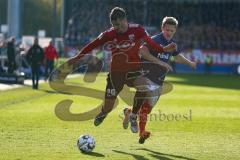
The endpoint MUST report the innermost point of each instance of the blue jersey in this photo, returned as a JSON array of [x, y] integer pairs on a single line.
[[158, 75]]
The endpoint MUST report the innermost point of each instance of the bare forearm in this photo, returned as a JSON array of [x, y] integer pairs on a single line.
[[144, 52], [149, 57], [181, 59]]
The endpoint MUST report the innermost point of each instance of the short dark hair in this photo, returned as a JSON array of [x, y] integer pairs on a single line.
[[117, 13]]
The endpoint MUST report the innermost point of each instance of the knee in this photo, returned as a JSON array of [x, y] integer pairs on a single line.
[[146, 108]]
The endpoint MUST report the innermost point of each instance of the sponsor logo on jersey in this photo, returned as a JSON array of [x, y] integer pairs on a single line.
[[163, 56], [121, 46]]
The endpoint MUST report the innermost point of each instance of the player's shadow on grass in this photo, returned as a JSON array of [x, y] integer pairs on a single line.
[[94, 154], [48, 91], [137, 157], [164, 156]]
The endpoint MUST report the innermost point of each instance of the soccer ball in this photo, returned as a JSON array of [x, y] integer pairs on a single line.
[[86, 143]]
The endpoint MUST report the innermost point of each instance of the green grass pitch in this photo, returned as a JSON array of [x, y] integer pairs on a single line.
[[29, 128]]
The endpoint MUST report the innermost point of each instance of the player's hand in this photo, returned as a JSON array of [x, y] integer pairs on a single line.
[[170, 48], [193, 65], [166, 66], [169, 68]]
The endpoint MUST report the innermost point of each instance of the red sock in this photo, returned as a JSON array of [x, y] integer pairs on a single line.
[[144, 111]]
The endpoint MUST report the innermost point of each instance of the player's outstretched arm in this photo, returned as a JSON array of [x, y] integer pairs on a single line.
[[144, 52], [181, 59], [86, 49]]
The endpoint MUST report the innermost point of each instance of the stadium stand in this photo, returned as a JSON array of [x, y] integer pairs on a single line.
[[203, 24]]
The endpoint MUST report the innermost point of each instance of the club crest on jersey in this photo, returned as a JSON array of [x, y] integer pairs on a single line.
[[131, 37]]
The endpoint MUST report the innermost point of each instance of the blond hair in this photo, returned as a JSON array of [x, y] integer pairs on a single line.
[[170, 21]]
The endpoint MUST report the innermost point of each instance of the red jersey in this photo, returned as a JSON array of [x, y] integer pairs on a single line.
[[127, 43], [50, 53]]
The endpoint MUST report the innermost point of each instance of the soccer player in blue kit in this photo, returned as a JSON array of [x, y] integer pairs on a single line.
[[168, 27]]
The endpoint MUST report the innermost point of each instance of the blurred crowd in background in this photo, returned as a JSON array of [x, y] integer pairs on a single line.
[[211, 25], [208, 32]]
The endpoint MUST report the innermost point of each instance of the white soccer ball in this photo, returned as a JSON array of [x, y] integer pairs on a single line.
[[86, 143]]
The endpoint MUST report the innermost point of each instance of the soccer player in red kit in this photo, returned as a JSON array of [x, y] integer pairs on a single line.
[[123, 40]]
